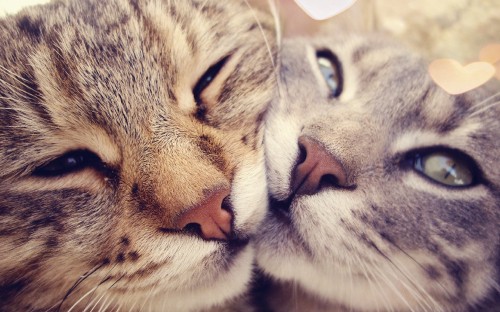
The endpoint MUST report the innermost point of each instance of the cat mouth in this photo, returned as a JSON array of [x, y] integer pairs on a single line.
[[236, 245], [281, 208]]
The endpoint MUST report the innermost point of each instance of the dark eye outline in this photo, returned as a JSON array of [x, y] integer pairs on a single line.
[[207, 78], [70, 162], [336, 70], [414, 161]]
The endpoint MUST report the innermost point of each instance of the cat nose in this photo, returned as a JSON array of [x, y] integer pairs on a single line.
[[211, 219], [316, 169]]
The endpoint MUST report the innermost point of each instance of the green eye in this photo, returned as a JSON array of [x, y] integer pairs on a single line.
[[445, 167], [330, 69]]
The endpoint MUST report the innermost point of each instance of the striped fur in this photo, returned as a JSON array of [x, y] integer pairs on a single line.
[[394, 241], [115, 78]]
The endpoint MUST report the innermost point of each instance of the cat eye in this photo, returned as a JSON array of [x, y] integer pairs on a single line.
[[68, 163], [331, 70], [207, 78], [447, 167]]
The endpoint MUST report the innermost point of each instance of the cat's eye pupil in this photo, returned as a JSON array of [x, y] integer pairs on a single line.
[[331, 78], [207, 78], [70, 162], [330, 69], [445, 168]]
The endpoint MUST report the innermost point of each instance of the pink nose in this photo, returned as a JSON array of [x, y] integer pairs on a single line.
[[211, 219], [316, 169]]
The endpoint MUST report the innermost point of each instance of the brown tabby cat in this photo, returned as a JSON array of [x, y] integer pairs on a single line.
[[385, 190], [132, 170]]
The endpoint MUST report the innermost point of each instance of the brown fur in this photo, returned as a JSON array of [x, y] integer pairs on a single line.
[[115, 78]]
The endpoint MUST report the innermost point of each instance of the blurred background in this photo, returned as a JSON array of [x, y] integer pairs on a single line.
[[455, 29], [12, 6]]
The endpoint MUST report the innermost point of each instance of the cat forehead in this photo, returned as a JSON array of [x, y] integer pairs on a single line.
[[384, 78], [129, 56]]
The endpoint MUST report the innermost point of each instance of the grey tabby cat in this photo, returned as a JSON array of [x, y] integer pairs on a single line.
[[132, 167], [385, 190]]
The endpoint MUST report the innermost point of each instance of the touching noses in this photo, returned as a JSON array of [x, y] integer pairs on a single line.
[[316, 169], [211, 219]]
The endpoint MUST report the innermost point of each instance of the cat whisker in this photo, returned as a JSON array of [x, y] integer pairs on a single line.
[[102, 282], [268, 46], [381, 277], [495, 285], [21, 80], [133, 306], [351, 285], [17, 110], [485, 104], [275, 12], [402, 281], [83, 297], [422, 298], [103, 295], [11, 74], [485, 101], [118, 306], [146, 300], [202, 6], [391, 285], [93, 304], [107, 302], [80, 280], [483, 109], [365, 273], [421, 266], [400, 269]]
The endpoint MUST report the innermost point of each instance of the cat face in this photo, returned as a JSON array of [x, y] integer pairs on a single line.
[[385, 190], [131, 152]]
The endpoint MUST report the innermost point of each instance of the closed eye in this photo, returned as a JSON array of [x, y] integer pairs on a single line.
[[70, 162], [206, 79], [331, 70]]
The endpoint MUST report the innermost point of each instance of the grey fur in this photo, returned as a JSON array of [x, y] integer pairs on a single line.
[[395, 240]]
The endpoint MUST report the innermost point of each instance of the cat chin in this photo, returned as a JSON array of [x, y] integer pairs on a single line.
[[330, 289], [197, 296]]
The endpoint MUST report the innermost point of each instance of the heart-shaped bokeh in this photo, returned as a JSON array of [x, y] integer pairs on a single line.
[[456, 79], [491, 54], [323, 9]]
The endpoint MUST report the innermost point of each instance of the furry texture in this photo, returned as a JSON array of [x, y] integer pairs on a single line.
[[394, 240], [114, 80]]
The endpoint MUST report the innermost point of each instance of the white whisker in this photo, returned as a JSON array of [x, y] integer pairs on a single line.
[[91, 305], [275, 12], [485, 104], [485, 101], [105, 305], [12, 74], [83, 297], [376, 270], [268, 46], [477, 112], [146, 299], [132, 307], [351, 284], [373, 282], [396, 291], [411, 278]]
